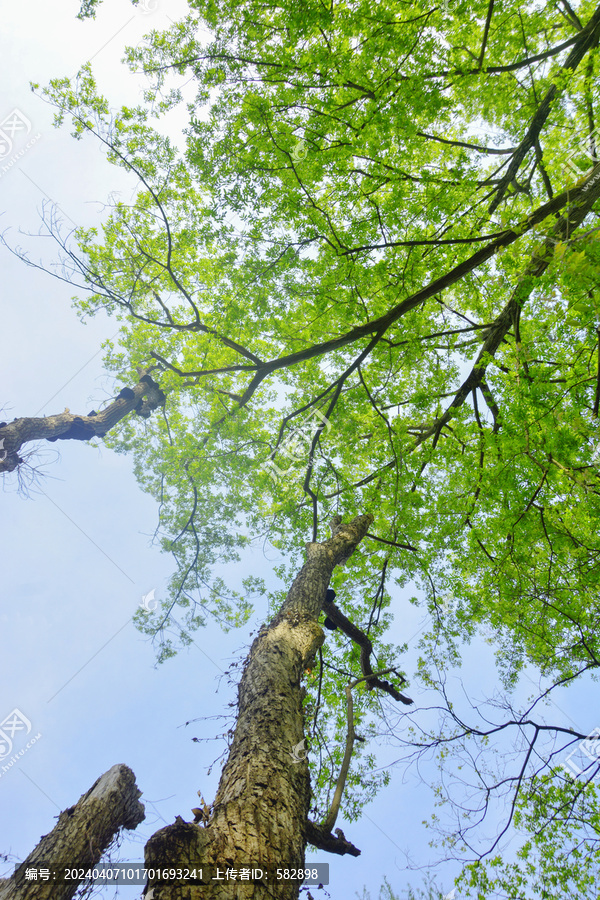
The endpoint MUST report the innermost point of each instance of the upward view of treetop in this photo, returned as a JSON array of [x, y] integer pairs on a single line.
[[374, 217], [366, 277]]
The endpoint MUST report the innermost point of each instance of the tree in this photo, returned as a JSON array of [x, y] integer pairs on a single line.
[[337, 240]]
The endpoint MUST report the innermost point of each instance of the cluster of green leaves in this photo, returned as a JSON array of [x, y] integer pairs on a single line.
[[560, 859], [314, 246]]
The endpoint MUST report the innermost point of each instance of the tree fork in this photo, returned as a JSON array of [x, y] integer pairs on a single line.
[[260, 813]]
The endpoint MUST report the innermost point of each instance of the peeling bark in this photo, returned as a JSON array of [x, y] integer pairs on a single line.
[[80, 837], [260, 813]]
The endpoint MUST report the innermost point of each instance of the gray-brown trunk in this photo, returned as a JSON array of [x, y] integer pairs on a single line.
[[260, 813], [80, 837], [261, 807]]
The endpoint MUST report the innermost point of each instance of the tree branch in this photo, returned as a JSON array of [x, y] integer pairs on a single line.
[[586, 40], [142, 398], [338, 618]]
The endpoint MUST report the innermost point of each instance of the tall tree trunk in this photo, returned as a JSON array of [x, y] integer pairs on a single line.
[[260, 812], [80, 837]]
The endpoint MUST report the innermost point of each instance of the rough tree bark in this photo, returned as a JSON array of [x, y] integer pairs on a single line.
[[142, 398], [80, 837], [260, 812]]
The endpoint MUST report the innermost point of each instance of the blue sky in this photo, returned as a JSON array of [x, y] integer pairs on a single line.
[[76, 554]]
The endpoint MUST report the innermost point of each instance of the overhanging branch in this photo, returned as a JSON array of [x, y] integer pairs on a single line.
[[143, 398]]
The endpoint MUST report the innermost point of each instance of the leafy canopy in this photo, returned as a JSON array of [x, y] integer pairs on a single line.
[[371, 259]]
